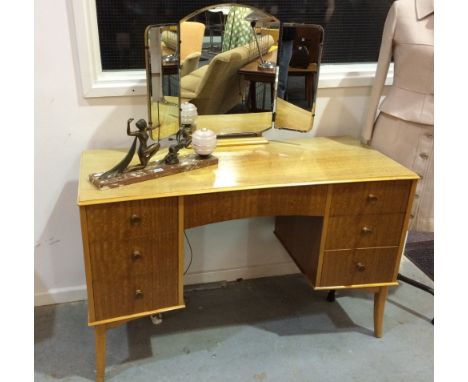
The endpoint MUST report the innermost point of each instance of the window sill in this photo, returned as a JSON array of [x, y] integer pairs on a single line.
[[350, 75], [117, 84], [133, 82]]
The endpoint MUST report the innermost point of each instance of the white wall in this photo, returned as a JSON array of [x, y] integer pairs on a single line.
[[66, 124]]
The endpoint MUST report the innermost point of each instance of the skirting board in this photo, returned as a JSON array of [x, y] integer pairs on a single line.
[[78, 293]]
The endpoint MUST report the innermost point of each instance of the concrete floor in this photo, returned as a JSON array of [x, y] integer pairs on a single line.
[[270, 329]]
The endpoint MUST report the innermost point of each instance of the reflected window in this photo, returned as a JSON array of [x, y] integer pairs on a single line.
[[353, 28]]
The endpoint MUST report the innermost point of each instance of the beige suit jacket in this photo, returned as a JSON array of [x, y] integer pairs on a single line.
[[408, 36]]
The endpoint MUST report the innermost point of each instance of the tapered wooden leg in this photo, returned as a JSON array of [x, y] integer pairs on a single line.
[[100, 334], [379, 306]]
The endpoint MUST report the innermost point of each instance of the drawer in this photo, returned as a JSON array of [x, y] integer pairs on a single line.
[[358, 266], [134, 257], [122, 297], [119, 221], [362, 231], [370, 198], [138, 294]]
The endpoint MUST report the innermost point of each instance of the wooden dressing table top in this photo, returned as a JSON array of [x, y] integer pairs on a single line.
[[276, 164]]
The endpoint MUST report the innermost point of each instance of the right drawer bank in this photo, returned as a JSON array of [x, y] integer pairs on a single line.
[[364, 232]]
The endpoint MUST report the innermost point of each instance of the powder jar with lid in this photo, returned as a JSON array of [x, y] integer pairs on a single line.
[[203, 141]]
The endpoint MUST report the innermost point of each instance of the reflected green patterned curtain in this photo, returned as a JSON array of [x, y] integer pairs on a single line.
[[237, 31]]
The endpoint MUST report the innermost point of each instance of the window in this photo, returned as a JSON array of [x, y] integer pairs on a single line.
[[352, 28], [115, 43]]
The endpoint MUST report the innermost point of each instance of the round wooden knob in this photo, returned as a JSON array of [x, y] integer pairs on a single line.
[[360, 267], [372, 198], [135, 219], [138, 293], [366, 229], [136, 255]]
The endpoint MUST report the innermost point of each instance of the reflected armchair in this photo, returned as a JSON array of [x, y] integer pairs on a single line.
[[191, 41]]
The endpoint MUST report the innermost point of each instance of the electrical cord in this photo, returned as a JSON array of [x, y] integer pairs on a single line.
[[191, 253]]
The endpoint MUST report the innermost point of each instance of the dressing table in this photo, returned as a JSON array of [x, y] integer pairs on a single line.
[[342, 211]]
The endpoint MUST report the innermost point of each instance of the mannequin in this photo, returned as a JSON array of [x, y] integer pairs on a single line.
[[404, 128]]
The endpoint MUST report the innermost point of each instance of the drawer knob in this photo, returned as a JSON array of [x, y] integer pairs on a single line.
[[136, 255], [372, 198], [135, 219], [360, 267], [366, 230], [138, 293]]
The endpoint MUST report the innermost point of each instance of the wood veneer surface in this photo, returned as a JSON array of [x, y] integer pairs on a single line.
[[370, 198], [347, 232], [300, 236], [309, 161], [114, 221], [210, 208], [134, 265], [340, 268]]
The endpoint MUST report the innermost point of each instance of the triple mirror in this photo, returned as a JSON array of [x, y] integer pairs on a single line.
[[243, 70]]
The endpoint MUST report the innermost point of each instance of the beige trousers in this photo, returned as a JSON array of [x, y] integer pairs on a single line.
[[412, 145]]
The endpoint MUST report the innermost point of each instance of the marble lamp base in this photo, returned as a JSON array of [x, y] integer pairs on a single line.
[[154, 170]]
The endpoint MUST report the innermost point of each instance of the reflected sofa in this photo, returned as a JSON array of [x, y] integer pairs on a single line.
[[218, 87]]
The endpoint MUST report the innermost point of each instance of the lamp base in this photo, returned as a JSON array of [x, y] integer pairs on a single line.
[[267, 66], [154, 170]]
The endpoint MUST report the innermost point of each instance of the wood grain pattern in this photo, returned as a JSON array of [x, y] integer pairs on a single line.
[[115, 221], [206, 209], [127, 256], [300, 236], [326, 219], [180, 249], [318, 189], [370, 198], [87, 264], [119, 297], [404, 231], [364, 231], [116, 259], [358, 266], [379, 307], [301, 162], [100, 338]]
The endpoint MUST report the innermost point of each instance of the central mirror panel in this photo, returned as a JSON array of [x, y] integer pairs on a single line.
[[243, 71], [228, 68]]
